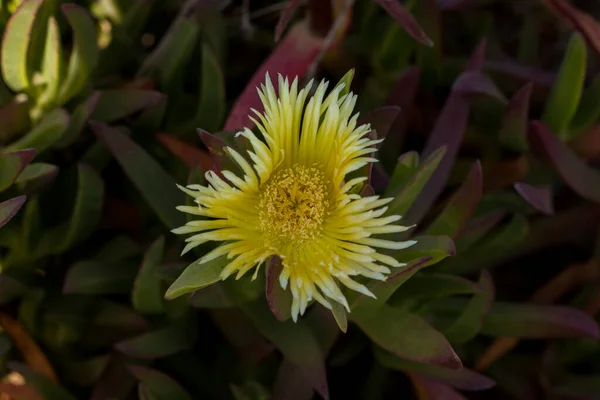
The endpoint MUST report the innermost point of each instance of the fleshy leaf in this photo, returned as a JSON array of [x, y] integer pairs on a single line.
[[405, 19], [79, 118], [9, 208], [196, 276], [52, 64], [211, 106], [46, 133], [158, 384], [339, 314], [155, 184], [411, 190], [448, 132], [433, 285], [405, 168], [115, 104], [15, 45], [477, 83], [147, 293], [12, 164], [295, 340], [157, 344], [513, 131], [290, 384], [461, 206], [464, 379], [84, 56], [279, 300], [433, 390], [580, 177], [93, 277], [566, 92], [381, 120], [470, 321], [35, 176], [539, 198], [579, 20], [292, 57], [535, 321], [588, 111], [406, 335]]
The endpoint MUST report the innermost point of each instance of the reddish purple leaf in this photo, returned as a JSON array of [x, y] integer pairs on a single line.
[[478, 227], [535, 321], [449, 130], [190, 155], [477, 83], [461, 206], [285, 17], [292, 57], [406, 20], [539, 198], [405, 88], [116, 382], [578, 20], [513, 132], [291, 384], [381, 120], [279, 300], [433, 390], [524, 72], [406, 335], [580, 177], [9, 208], [464, 379]]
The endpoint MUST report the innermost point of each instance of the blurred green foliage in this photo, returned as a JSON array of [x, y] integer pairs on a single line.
[[490, 113]]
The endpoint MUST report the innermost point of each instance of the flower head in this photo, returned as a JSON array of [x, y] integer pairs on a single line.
[[295, 200]]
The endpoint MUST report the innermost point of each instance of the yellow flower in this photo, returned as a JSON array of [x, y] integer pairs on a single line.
[[294, 201]]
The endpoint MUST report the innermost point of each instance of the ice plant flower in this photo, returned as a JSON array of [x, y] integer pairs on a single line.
[[294, 199]]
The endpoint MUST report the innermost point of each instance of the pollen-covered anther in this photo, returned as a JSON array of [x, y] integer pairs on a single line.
[[293, 205]]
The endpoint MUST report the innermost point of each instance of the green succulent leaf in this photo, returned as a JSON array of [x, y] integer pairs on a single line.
[[566, 92], [46, 133], [12, 164], [147, 293], [9, 208], [115, 104], [85, 53], [52, 64], [95, 277], [211, 107], [157, 343], [159, 385], [197, 276]]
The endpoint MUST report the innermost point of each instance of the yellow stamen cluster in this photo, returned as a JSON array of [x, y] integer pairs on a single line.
[[293, 206]]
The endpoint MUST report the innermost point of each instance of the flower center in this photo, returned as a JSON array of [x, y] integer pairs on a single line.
[[293, 205]]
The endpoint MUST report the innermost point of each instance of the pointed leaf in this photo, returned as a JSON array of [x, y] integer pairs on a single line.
[[461, 206], [405, 198], [470, 321], [157, 344], [12, 164], [279, 300], [588, 111], [404, 170], [381, 120], [290, 384], [188, 154], [147, 293], [580, 177], [405, 19], [566, 92], [158, 384], [78, 120], [35, 176], [295, 340], [407, 336], [46, 133], [433, 285], [15, 45], [9, 208], [115, 104], [93, 277], [339, 314], [477, 83], [513, 132], [52, 64], [433, 390], [539, 198], [448, 131], [211, 107], [535, 321], [464, 379], [197, 276], [292, 57], [84, 56], [155, 184]]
